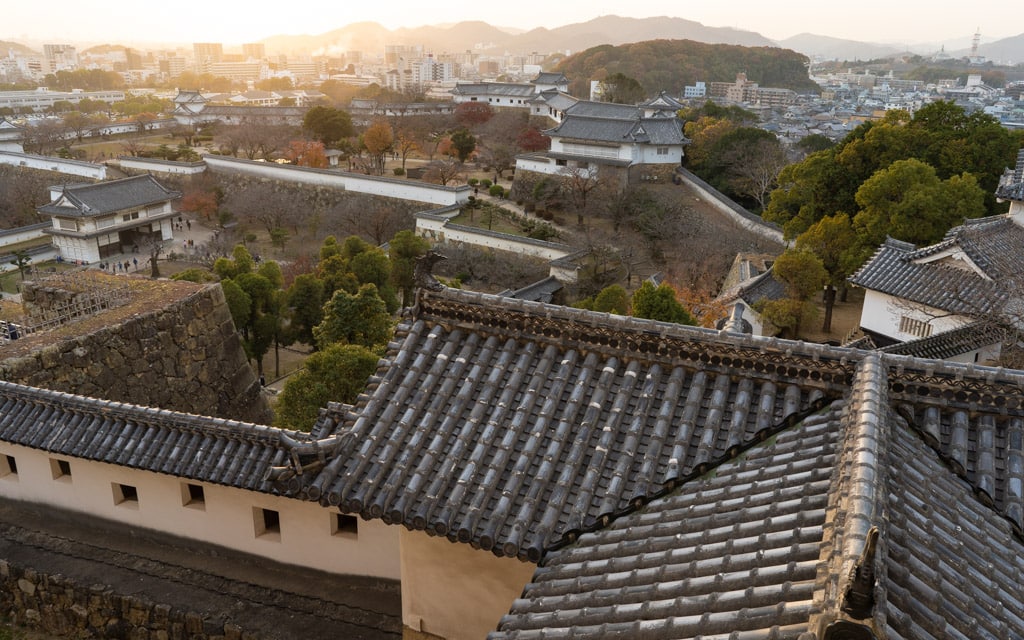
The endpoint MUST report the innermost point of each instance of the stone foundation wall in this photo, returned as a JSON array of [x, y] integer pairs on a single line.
[[56, 605], [179, 352]]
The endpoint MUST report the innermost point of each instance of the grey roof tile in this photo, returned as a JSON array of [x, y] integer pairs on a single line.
[[517, 444], [196, 447], [892, 271], [111, 196], [734, 552], [950, 344], [952, 570]]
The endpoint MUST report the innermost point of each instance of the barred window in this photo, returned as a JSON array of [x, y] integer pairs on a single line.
[[915, 327]]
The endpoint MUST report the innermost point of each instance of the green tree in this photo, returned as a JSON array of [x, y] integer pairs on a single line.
[[908, 202], [239, 303], [338, 373], [622, 89], [361, 319], [305, 298], [240, 262], [612, 299], [834, 241], [940, 134], [463, 143], [328, 125], [21, 262], [404, 248], [803, 275], [660, 303]]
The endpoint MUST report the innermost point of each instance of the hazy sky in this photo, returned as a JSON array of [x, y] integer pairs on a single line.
[[237, 21]]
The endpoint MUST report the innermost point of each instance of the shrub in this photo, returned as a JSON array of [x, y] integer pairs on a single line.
[[473, 182], [485, 183], [399, 171], [497, 191]]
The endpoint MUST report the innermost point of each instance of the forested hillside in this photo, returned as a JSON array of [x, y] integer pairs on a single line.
[[672, 64]]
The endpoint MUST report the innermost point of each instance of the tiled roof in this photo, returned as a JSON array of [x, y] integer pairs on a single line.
[[111, 196], [736, 551], [550, 77], [950, 344], [607, 110], [952, 570], [517, 444], [1011, 185], [498, 89], [540, 291], [892, 271], [848, 522], [647, 130], [195, 447]]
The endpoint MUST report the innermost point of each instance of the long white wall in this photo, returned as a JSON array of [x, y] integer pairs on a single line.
[[156, 165], [753, 223], [225, 518], [372, 185], [439, 229], [50, 163]]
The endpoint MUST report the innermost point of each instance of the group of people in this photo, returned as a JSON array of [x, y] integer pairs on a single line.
[[120, 267]]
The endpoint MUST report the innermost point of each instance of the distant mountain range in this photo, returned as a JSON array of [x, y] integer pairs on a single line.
[[481, 37], [614, 30]]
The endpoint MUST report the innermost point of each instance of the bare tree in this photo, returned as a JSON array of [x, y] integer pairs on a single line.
[[754, 169], [444, 171], [263, 203], [579, 182], [45, 137]]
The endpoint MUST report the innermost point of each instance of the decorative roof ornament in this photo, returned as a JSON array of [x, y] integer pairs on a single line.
[[424, 278]]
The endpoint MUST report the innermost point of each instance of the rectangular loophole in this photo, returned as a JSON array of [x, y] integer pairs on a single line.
[[267, 523], [344, 525], [193, 495], [125, 495], [60, 469], [8, 466]]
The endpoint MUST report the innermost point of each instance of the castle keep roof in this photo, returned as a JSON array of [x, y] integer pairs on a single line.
[[674, 482]]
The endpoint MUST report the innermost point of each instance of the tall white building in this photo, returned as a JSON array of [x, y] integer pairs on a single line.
[[60, 57]]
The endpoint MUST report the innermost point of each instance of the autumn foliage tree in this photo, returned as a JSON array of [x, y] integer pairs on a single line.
[[471, 114], [378, 139], [200, 202], [306, 153], [531, 139]]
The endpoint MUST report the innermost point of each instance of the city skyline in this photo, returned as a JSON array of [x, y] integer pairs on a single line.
[[233, 22]]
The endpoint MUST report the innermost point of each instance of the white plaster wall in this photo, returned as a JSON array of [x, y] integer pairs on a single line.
[[389, 187], [537, 166], [48, 163], [226, 519], [649, 154], [21, 234], [454, 591], [442, 232], [881, 313], [73, 249], [163, 166]]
